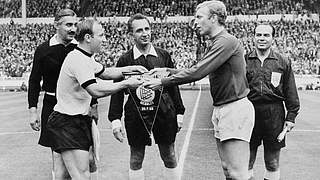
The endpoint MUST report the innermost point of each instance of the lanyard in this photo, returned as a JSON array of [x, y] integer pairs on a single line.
[[155, 115]]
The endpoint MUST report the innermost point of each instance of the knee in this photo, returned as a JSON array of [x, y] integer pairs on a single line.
[[170, 161], [234, 173], [61, 173], [85, 174], [272, 165], [136, 162], [92, 166], [225, 168], [238, 175]]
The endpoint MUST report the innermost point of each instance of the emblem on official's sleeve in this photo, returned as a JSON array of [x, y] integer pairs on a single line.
[[275, 78]]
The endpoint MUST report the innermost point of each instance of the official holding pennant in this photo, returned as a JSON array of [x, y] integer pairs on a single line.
[[148, 113]]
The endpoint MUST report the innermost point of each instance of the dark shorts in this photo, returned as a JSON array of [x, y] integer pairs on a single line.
[[69, 132], [47, 108], [164, 129], [269, 121]]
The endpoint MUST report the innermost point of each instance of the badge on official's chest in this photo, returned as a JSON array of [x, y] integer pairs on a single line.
[[275, 78]]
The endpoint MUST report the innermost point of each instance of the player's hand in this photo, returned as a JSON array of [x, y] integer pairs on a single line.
[[179, 121], [157, 71], [119, 134], [289, 125], [153, 83], [34, 119], [133, 82], [93, 112], [136, 68]]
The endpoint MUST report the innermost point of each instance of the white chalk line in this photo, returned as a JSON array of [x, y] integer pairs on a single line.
[[186, 142]]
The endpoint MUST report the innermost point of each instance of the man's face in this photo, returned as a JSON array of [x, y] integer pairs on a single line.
[[141, 32], [98, 37], [66, 27], [204, 22], [263, 37]]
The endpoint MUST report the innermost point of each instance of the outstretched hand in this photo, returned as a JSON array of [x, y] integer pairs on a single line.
[[133, 82], [157, 71], [153, 83], [135, 68]]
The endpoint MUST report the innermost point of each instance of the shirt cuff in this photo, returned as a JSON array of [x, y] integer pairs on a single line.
[[116, 124], [180, 118]]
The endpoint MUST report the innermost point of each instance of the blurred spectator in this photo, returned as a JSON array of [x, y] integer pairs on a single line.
[[298, 40], [10, 9], [162, 8]]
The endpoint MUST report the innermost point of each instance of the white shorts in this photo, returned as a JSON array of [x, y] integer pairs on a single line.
[[234, 120]]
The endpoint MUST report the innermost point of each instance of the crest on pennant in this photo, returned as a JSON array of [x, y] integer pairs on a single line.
[[146, 96]]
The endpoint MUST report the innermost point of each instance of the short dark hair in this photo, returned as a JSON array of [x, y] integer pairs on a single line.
[[273, 33], [137, 16], [64, 12], [84, 27]]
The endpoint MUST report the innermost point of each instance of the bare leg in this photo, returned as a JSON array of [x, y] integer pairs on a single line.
[[234, 155], [77, 164]]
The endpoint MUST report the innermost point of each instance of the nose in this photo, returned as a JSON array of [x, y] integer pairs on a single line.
[[73, 28], [104, 39]]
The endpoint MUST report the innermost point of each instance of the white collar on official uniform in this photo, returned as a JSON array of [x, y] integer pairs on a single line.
[[53, 41], [137, 53]]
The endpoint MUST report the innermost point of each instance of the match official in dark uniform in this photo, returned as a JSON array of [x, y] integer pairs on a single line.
[[271, 82], [47, 62], [144, 118]]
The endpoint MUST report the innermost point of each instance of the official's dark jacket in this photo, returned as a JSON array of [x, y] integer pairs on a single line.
[[170, 103], [272, 82]]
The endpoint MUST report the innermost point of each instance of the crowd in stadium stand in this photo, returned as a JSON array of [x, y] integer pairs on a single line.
[[299, 41], [157, 9]]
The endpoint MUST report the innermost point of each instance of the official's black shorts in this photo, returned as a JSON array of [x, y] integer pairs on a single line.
[[49, 102], [69, 132], [269, 121]]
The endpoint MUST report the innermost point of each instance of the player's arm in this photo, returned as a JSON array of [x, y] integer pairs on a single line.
[[117, 72], [216, 56], [102, 88]]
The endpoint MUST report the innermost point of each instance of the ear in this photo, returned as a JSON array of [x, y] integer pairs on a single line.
[[56, 24], [213, 18], [87, 37]]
